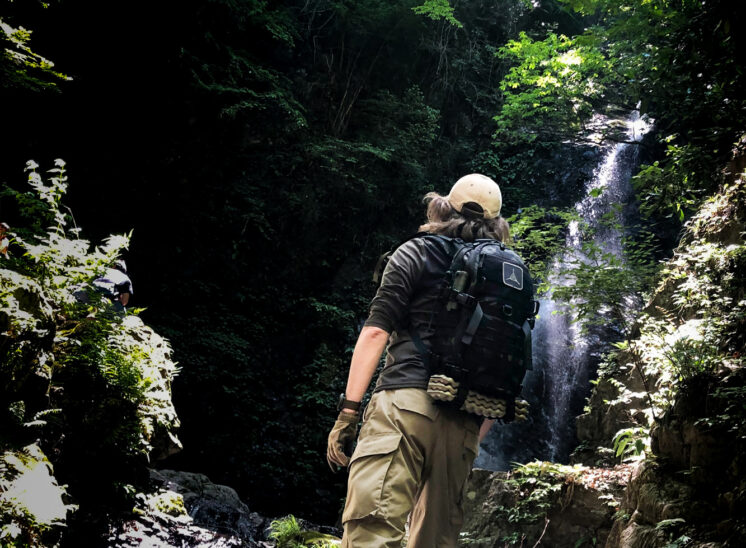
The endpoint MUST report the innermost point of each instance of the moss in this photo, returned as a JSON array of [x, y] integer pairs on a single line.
[[169, 503]]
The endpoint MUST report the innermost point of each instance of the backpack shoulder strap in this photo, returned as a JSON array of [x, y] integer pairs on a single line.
[[473, 266]]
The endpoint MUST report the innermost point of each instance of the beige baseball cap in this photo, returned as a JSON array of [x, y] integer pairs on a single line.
[[476, 190]]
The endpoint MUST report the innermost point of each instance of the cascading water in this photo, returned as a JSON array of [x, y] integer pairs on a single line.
[[565, 357]]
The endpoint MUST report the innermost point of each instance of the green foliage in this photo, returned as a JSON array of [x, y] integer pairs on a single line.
[[302, 215], [631, 442], [600, 280], [667, 523], [550, 91], [32, 511], [679, 60], [540, 485], [287, 533], [673, 528], [20, 67], [674, 191], [730, 411], [538, 235], [689, 336], [690, 358], [679, 542], [56, 265], [227, 74], [437, 10]]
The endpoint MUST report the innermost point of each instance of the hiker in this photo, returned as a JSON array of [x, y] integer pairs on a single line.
[[116, 285], [414, 456]]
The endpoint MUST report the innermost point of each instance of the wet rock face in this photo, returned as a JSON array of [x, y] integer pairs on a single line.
[[568, 170], [158, 418], [685, 442], [698, 479]]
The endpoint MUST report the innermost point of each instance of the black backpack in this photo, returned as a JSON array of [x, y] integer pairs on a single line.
[[482, 322]]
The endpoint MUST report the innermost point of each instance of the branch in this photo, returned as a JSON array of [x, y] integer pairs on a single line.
[[546, 524]]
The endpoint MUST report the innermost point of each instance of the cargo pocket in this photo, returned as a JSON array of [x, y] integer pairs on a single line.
[[369, 467], [417, 401]]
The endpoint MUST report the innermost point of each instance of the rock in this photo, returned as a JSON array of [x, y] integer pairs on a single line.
[[32, 502], [187, 510], [157, 416], [561, 505], [634, 535], [610, 411], [211, 505]]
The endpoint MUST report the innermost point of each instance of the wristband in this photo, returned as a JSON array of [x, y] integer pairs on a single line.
[[344, 403]]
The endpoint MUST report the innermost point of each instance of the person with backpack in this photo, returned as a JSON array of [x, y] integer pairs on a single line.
[[455, 308], [114, 285]]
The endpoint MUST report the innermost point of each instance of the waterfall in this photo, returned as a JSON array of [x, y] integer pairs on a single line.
[[565, 357]]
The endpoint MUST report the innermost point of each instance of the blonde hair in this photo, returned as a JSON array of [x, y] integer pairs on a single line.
[[443, 219]]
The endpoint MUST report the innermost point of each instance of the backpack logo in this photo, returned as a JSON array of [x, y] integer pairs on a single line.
[[513, 276]]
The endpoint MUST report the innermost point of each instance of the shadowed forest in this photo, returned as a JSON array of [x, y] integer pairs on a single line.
[[260, 156]]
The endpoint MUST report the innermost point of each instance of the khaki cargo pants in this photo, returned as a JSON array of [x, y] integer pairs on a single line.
[[412, 456]]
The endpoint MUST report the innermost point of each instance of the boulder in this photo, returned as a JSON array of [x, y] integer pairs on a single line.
[[32, 504], [211, 505], [188, 510]]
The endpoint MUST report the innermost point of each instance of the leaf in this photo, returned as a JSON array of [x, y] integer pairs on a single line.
[[436, 10]]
